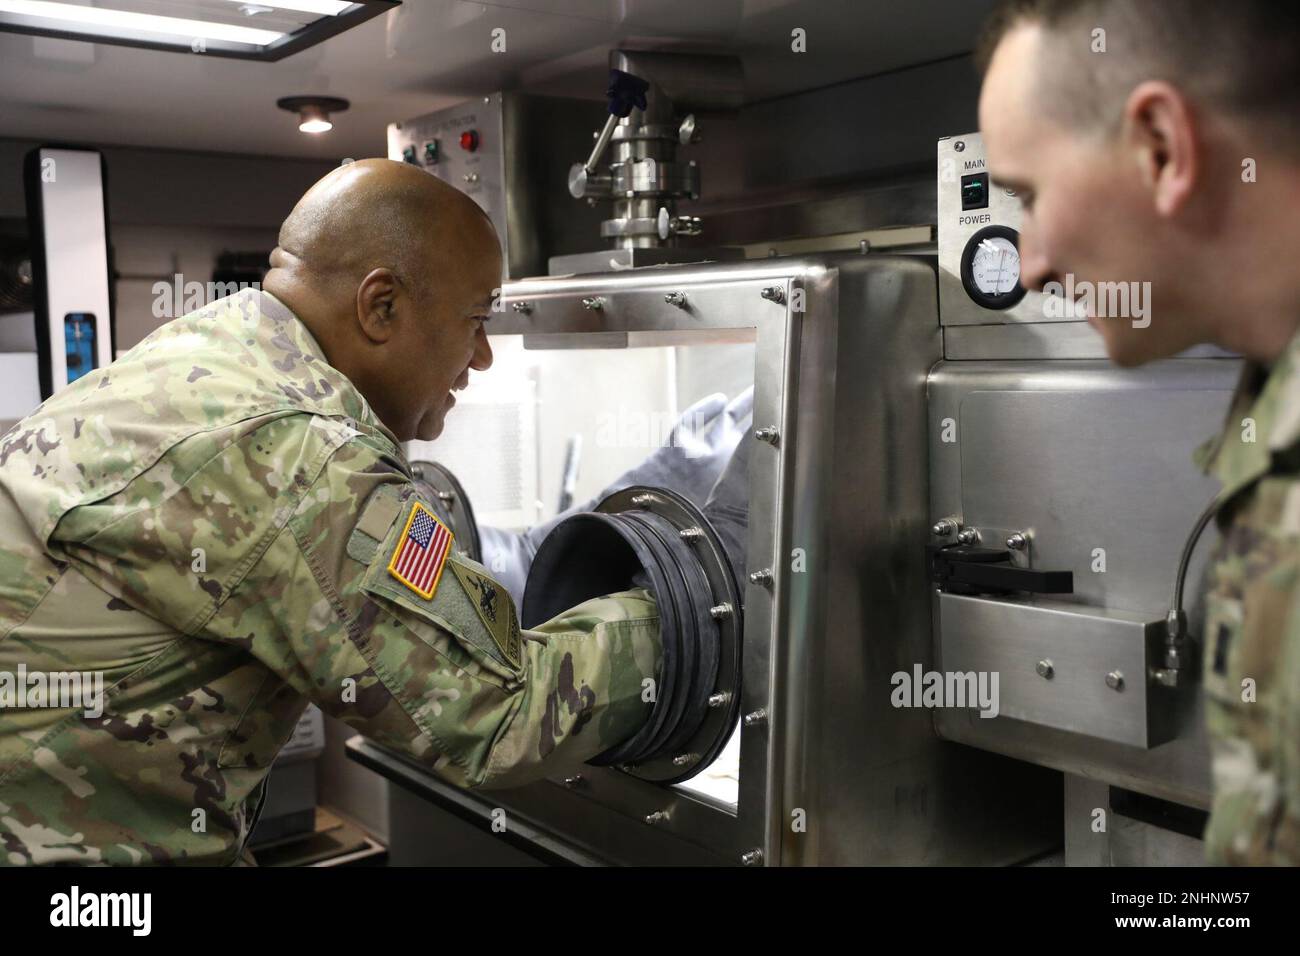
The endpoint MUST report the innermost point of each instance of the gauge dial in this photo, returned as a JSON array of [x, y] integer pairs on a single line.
[[990, 267]]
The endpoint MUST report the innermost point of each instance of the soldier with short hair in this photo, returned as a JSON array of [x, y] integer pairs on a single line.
[[224, 524], [1159, 141]]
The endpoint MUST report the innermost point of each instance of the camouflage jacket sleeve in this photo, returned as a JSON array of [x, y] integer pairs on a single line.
[[440, 678], [294, 569], [1252, 679], [1252, 622]]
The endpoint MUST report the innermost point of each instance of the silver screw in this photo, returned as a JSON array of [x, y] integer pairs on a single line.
[[763, 577], [643, 501], [681, 760], [945, 527], [1115, 680], [864, 246], [768, 433], [968, 536], [718, 700], [522, 306], [774, 293], [755, 718], [471, 177], [720, 612], [1017, 541], [752, 857], [676, 298], [1045, 669], [573, 782], [447, 496], [594, 303], [659, 816], [690, 534], [960, 146]]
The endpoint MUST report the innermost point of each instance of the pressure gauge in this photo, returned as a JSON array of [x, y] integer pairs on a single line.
[[990, 267]]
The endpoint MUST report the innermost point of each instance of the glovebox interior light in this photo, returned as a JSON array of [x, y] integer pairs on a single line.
[[262, 30]]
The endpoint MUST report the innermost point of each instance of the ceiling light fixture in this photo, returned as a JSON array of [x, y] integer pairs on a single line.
[[325, 8], [313, 111], [214, 27]]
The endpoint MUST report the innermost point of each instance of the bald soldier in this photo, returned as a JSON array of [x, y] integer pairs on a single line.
[[223, 525], [1160, 143]]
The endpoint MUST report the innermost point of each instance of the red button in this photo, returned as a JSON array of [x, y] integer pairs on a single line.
[[469, 140]]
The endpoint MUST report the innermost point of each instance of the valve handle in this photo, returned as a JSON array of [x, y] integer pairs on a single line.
[[625, 91]]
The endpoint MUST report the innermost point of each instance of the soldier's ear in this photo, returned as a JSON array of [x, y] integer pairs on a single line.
[[376, 297]]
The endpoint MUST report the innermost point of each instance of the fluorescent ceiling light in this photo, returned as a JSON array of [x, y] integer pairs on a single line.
[[325, 8], [266, 31], [147, 22]]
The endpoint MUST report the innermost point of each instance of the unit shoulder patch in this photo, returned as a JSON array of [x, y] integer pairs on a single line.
[[495, 608], [421, 551]]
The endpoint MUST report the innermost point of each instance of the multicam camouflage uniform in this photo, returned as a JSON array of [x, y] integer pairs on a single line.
[[1252, 632], [209, 522]]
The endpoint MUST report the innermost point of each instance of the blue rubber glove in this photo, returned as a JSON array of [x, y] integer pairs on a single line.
[[690, 463]]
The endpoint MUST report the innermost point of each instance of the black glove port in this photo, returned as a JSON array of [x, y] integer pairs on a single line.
[[657, 535]]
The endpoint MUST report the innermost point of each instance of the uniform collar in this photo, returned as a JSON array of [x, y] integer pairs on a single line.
[[1263, 419], [303, 339]]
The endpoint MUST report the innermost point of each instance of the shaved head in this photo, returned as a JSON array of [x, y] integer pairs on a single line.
[[394, 272], [375, 212]]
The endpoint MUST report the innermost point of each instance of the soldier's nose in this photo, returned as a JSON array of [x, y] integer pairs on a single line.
[[482, 360]]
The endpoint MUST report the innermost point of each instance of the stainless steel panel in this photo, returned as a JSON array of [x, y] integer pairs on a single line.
[[513, 174], [1012, 638], [1086, 469], [1098, 835], [818, 211], [831, 773], [964, 156], [1134, 843], [1087, 456], [1055, 340], [615, 260]]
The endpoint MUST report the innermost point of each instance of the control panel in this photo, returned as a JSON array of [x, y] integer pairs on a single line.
[[463, 145], [979, 235], [497, 150]]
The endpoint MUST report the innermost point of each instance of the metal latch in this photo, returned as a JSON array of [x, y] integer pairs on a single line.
[[969, 569]]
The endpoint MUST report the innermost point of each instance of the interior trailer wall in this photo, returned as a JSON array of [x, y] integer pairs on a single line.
[[171, 211]]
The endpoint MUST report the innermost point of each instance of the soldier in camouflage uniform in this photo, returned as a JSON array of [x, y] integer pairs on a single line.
[[1134, 131], [212, 522], [1252, 627]]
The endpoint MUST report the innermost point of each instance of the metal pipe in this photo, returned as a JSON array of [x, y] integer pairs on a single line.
[[601, 142]]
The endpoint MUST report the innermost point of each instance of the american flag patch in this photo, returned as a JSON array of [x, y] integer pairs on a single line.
[[421, 552]]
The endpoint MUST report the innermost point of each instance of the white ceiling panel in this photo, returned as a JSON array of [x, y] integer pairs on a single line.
[[430, 53]]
